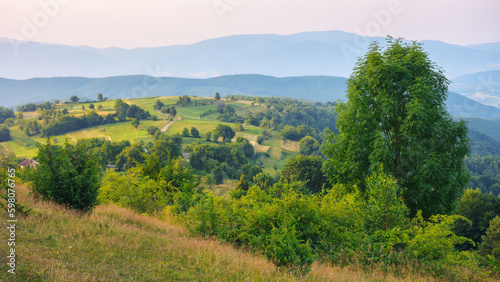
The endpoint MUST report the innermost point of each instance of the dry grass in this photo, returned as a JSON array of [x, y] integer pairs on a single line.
[[290, 145], [115, 244]]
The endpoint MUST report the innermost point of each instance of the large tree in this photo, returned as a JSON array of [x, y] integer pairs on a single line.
[[225, 131], [395, 116]]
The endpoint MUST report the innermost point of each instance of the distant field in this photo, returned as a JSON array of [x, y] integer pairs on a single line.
[[274, 153]]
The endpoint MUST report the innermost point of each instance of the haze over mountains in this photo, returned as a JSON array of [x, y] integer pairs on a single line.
[[309, 65], [331, 53]]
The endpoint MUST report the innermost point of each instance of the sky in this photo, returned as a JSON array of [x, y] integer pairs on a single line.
[[152, 23]]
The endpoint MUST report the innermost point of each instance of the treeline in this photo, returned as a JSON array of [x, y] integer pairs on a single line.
[[31, 107], [67, 123], [71, 123]]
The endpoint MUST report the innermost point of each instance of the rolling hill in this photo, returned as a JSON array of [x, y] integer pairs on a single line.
[[315, 88]]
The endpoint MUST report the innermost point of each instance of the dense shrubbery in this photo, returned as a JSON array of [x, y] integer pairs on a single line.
[[485, 173], [67, 175]]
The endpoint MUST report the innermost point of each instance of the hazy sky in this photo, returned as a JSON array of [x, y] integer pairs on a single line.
[[145, 23]]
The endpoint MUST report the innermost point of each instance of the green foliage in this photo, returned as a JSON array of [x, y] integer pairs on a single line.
[[74, 99], [263, 180], [32, 128], [91, 106], [185, 132], [67, 175], [395, 116], [217, 96], [306, 169], [4, 134], [480, 209], [195, 133], [433, 239], [158, 105], [218, 175], [184, 100], [309, 146], [224, 131], [133, 190], [100, 97], [490, 247], [285, 249], [383, 208], [6, 113]]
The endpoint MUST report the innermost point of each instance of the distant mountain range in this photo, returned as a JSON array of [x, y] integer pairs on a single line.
[[482, 86], [329, 53], [315, 88]]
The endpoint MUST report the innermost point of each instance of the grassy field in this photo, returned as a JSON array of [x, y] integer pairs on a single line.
[[274, 152], [116, 244]]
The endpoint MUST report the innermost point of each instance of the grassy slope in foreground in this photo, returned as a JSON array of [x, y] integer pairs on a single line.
[[117, 244]]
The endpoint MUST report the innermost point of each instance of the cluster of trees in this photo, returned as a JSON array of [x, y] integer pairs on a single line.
[[293, 112], [6, 113], [159, 106], [124, 111], [184, 100], [31, 107], [70, 123], [220, 160], [485, 173], [31, 127]]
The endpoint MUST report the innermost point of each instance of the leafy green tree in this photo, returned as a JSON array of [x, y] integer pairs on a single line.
[[395, 116], [217, 96], [19, 116], [99, 97], [195, 133], [91, 106], [308, 146], [4, 134], [83, 108], [224, 131], [242, 184], [67, 175], [306, 169], [99, 106], [185, 132], [208, 136], [158, 105], [65, 111], [74, 99], [218, 174]]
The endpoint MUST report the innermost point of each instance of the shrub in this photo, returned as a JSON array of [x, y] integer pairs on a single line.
[[67, 175]]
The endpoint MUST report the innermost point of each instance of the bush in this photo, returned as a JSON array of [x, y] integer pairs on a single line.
[[67, 175]]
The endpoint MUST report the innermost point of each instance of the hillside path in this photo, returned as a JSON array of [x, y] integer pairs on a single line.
[[165, 128]]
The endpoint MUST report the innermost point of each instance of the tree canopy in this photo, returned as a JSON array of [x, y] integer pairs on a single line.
[[395, 116]]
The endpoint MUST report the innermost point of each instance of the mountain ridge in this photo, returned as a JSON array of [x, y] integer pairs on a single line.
[[330, 53]]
